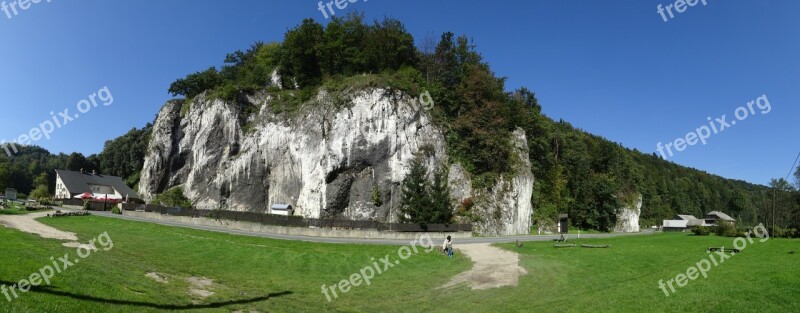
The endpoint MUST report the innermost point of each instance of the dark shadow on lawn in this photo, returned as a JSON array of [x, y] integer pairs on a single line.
[[54, 291]]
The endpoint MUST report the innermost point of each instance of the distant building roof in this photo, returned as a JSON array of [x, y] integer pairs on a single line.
[[720, 215], [279, 206], [77, 182], [696, 222], [685, 217]]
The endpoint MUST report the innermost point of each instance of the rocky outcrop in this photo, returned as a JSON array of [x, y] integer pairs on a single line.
[[628, 217], [326, 158], [506, 208]]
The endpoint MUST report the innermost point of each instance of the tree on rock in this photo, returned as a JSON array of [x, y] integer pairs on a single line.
[[422, 202]]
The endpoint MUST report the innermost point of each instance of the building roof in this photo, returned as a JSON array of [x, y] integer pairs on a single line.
[[279, 206], [696, 222], [77, 182], [686, 217], [720, 215]]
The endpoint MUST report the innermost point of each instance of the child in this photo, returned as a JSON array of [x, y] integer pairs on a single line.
[[447, 246]]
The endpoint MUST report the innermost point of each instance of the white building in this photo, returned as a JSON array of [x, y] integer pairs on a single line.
[[70, 184], [282, 209]]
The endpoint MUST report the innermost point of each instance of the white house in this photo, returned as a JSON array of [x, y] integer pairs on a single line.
[[682, 222], [70, 184]]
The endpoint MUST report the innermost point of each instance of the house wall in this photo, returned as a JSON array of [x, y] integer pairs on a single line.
[[281, 212], [675, 223], [61, 190]]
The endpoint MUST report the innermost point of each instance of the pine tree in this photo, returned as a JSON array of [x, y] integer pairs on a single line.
[[416, 202], [440, 198]]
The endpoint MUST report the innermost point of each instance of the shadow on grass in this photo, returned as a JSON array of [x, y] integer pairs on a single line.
[[214, 305]]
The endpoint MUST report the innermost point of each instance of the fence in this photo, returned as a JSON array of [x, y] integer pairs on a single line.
[[78, 202], [93, 206], [296, 221]]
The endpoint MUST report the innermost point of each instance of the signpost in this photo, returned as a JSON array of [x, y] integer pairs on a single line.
[[11, 194], [563, 226]]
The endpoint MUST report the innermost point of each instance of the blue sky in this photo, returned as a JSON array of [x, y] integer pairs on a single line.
[[613, 68]]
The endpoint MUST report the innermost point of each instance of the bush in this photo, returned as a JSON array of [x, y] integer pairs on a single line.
[[376, 196], [780, 232], [726, 230], [173, 198], [116, 210], [701, 231]]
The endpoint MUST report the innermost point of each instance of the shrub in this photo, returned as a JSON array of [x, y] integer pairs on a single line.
[[116, 210], [173, 198], [780, 232], [701, 231], [376, 196], [466, 204], [726, 230]]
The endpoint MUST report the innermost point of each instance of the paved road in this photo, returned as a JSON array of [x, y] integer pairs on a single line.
[[354, 240]]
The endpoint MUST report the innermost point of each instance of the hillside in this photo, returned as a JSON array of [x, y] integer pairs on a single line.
[[314, 119]]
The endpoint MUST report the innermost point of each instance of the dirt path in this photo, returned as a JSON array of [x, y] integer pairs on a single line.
[[493, 268], [27, 223]]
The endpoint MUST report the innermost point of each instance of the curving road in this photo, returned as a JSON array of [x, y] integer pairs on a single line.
[[355, 240]]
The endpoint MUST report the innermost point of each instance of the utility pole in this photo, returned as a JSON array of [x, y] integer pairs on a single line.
[[774, 194]]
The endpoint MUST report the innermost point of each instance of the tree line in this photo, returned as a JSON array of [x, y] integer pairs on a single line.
[[32, 171]]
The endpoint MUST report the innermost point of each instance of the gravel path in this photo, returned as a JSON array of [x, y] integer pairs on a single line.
[[28, 223], [493, 268]]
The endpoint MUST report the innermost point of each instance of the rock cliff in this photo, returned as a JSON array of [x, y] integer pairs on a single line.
[[326, 159]]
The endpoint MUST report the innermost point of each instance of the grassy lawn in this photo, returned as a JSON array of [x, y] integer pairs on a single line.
[[624, 278], [247, 270]]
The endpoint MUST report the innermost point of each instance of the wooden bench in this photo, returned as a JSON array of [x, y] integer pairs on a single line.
[[714, 249]]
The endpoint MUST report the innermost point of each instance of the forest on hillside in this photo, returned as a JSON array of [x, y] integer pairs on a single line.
[[34, 168], [584, 175]]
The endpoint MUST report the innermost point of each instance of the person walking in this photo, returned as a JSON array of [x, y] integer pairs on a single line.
[[447, 246]]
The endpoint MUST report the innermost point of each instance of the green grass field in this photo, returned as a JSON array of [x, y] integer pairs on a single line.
[[286, 276]]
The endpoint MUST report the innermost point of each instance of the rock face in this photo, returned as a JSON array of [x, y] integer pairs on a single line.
[[506, 209], [628, 217], [326, 159]]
